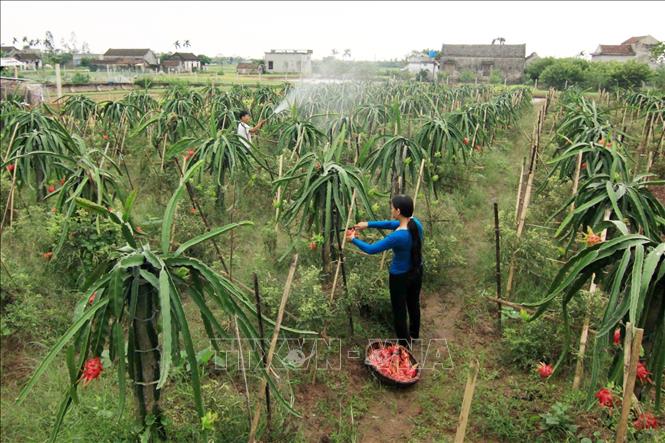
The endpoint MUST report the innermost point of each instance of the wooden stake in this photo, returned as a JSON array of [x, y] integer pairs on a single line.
[[576, 179], [339, 260], [271, 351], [242, 368], [627, 343], [466, 403], [498, 262], [420, 177], [630, 385], [579, 369], [279, 189], [522, 218], [262, 343], [519, 190]]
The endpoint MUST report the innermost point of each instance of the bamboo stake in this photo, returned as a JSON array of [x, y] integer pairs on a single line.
[[579, 368], [420, 176], [339, 261], [522, 218], [576, 180], [262, 343], [497, 237], [242, 368], [630, 385], [466, 402], [271, 350], [279, 189], [519, 189], [627, 343]]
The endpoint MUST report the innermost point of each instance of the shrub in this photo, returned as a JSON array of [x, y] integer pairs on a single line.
[[564, 73], [80, 78], [535, 68], [658, 77], [467, 77], [526, 343], [496, 77], [630, 74], [143, 82]]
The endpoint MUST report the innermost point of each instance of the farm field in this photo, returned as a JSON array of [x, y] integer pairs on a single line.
[[137, 226]]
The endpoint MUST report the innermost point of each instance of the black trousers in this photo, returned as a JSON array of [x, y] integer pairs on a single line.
[[405, 297]]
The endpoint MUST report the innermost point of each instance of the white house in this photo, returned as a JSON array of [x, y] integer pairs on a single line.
[[289, 61], [635, 48], [182, 62], [415, 64]]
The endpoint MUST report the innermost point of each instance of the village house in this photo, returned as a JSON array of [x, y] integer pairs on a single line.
[[418, 63], [531, 58], [635, 48], [181, 62], [289, 61], [140, 59], [248, 68], [481, 60], [23, 59]]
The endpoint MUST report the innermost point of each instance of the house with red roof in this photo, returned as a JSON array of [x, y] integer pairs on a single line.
[[635, 48]]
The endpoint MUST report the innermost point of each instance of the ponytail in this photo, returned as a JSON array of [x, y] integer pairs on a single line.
[[416, 246]]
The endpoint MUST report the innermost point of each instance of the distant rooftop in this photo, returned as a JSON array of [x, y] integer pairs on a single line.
[[290, 51]]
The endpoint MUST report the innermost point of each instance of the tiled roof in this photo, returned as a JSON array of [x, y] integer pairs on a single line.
[[185, 56], [126, 52], [634, 40], [615, 50]]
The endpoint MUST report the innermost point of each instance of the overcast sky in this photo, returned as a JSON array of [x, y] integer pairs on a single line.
[[372, 30]]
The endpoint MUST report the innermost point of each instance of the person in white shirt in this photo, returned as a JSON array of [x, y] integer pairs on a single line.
[[245, 130]]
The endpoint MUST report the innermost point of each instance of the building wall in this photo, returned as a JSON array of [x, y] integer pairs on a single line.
[[612, 58], [512, 69], [288, 63], [417, 67]]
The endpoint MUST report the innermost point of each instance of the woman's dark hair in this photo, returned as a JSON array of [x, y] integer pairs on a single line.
[[242, 114], [405, 205]]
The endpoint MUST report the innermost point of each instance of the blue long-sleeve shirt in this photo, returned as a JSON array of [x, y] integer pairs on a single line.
[[399, 241]]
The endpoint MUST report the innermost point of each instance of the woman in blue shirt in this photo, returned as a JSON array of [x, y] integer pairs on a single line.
[[406, 269]]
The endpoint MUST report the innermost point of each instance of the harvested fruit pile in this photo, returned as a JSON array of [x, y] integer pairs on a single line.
[[394, 362]]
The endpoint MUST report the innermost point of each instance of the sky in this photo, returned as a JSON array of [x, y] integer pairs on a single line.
[[371, 30]]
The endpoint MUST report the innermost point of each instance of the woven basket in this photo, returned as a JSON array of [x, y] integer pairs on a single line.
[[385, 379]]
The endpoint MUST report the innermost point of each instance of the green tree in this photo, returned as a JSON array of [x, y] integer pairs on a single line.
[[536, 68], [631, 74], [599, 75], [563, 73], [658, 77]]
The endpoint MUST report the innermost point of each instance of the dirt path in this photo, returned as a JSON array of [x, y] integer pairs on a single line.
[[389, 417], [392, 412]]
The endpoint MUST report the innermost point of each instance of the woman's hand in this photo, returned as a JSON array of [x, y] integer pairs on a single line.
[[360, 226], [350, 234]]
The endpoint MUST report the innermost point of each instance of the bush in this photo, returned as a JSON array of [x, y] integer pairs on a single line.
[[496, 77], [564, 73], [658, 77], [630, 74], [467, 77], [529, 342], [535, 68], [80, 78], [599, 75], [143, 82]]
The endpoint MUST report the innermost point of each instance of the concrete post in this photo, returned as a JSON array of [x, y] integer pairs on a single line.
[[58, 81]]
